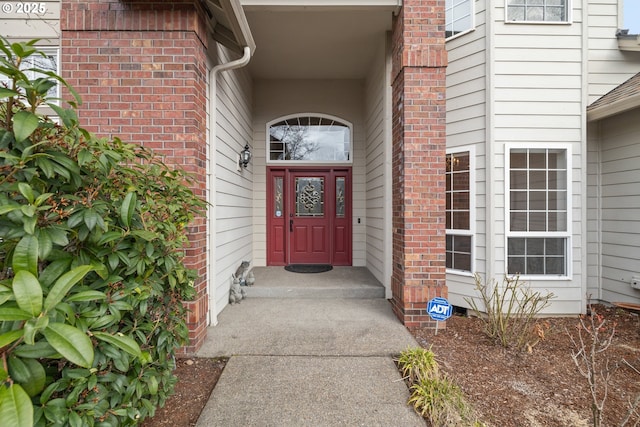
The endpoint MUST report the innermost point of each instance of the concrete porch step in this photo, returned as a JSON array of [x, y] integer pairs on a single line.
[[341, 282]]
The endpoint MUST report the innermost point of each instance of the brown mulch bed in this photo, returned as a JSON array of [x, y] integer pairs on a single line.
[[196, 380], [507, 388], [542, 388]]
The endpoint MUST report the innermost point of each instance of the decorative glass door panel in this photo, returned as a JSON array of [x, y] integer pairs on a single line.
[[308, 223], [309, 197]]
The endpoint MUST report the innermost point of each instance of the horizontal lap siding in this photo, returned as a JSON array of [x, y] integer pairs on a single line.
[[466, 128], [608, 65], [377, 182], [620, 206], [593, 218], [610, 247], [16, 25], [538, 101], [234, 189]]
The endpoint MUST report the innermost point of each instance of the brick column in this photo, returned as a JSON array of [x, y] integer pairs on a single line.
[[418, 84], [140, 68]]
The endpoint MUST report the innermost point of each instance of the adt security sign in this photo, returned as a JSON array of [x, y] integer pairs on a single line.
[[439, 309]]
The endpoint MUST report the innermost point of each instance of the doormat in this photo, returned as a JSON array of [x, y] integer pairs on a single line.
[[308, 268]]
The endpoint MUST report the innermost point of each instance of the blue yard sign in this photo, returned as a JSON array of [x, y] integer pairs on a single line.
[[439, 309]]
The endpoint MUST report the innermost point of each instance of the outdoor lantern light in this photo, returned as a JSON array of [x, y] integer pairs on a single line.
[[245, 156]]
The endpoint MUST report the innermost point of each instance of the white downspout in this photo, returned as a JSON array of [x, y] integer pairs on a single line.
[[212, 317]]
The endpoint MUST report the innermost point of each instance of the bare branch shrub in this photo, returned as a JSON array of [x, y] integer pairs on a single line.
[[510, 312], [594, 336]]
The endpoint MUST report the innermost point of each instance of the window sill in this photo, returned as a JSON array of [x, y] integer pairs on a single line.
[[460, 272], [540, 22], [460, 34], [541, 278]]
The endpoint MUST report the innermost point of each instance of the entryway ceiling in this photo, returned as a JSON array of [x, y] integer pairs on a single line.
[[316, 42]]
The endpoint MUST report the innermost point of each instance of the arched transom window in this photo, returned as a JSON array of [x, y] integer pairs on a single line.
[[309, 138]]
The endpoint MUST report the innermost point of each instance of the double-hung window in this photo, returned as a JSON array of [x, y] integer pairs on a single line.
[[538, 10], [538, 211], [458, 17], [459, 220]]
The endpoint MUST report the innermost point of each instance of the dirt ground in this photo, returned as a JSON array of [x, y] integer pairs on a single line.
[[544, 387], [506, 388], [196, 380]]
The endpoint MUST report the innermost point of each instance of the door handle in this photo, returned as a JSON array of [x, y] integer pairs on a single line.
[[291, 225]]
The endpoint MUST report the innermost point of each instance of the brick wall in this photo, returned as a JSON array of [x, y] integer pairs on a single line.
[[140, 68], [418, 85]]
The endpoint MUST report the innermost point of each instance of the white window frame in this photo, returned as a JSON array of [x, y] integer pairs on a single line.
[[567, 235], [49, 51], [471, 149], [308, 162], [472, 14], [569, 17]]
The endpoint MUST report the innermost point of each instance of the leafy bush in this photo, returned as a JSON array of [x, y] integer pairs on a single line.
[[510, 311], [433, 395], [92, 278]]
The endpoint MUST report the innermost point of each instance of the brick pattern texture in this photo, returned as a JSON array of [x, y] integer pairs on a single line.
[[418, 86], [140, 68]]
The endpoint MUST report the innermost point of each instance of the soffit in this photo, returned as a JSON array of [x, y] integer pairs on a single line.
[[317, 42], [229, 24]]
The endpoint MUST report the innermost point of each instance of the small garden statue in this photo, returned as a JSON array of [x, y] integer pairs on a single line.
[[236, 293], [250, 279], [241, 272]]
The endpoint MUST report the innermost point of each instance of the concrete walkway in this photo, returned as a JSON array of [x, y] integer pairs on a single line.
[[308, 362]]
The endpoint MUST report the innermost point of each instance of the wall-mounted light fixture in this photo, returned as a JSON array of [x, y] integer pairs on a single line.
[[245, 156]]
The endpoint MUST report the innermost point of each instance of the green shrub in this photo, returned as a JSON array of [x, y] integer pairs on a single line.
[[510, 312], [92, 278]]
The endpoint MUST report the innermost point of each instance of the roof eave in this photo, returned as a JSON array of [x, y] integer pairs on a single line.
[[229, 25], [628, 42], [614, 108]]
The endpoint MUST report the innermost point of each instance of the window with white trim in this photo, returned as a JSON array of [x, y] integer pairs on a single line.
[[459, 239], [46, 62], [309, 138], [458, 17], [538, 207], [538, 10]]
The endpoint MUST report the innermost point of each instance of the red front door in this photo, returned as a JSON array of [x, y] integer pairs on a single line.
[[309, 217]]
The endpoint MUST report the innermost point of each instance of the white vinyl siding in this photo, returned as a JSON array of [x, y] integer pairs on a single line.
[[517, 85], [608, 65], [619, 207], [234, 195], [466, 131], [593, 212], [378, 169], [18, 25]]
